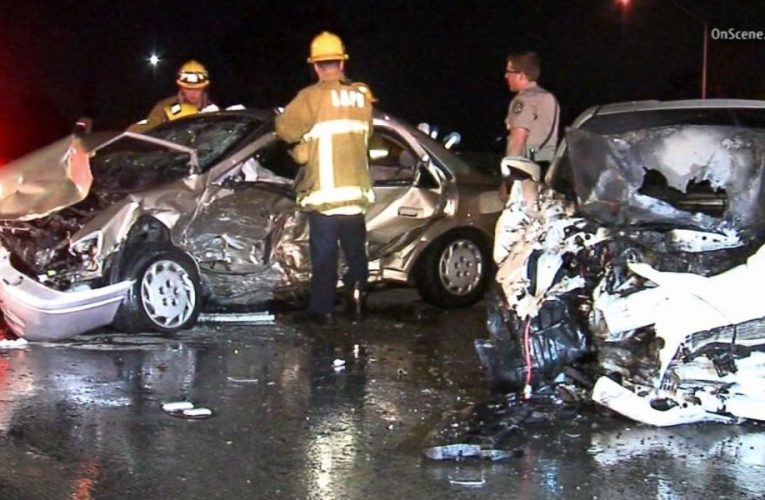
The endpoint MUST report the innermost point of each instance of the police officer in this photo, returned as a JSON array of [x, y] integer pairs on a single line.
[[332, 121], [193, 81], [532, 117]]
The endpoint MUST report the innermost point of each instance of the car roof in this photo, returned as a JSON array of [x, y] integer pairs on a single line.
[[655, 105], [269, 115]]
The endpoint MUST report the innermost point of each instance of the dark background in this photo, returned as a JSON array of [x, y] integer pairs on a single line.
[[435, 61]]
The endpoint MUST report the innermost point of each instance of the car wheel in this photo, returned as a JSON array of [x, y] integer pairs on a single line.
[[455, 270], [166, 296]]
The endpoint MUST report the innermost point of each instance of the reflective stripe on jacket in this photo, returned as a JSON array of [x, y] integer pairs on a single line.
[[334, 119]]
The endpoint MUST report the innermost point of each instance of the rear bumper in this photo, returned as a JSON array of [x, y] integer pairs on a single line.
[[38, 313]]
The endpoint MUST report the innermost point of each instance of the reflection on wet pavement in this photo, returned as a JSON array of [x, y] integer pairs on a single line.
[[310, 413]]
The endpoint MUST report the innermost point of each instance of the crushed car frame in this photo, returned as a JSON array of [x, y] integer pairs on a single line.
[[638, 265]]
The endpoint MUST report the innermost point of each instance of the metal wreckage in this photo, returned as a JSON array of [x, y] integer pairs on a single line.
[[83, 236], [643, 293]]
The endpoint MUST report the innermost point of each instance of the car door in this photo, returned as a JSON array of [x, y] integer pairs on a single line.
[[248, 237], [408, 190]]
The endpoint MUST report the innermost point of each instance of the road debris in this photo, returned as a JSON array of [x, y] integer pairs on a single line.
[[178, 406], [262, 317], [186, 409], [338, 365], [469, 482], [458, 451], [243, 380]]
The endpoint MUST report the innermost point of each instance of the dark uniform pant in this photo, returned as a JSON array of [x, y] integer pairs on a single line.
[[325, 232]]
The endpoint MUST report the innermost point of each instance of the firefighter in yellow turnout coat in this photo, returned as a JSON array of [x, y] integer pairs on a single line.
[[193, 81], [332, 119]]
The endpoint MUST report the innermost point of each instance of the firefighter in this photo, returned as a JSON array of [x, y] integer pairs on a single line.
[[331, 121], [193, 81]]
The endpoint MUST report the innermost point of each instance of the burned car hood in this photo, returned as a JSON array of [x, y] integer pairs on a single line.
[[48, 179], [703, 177]]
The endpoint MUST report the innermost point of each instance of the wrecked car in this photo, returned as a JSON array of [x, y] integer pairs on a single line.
[[144, 231], [637, 267]]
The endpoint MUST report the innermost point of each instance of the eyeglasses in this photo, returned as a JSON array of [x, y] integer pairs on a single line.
[[511, 71]]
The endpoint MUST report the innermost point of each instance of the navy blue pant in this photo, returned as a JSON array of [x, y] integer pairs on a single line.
[[325, 232]]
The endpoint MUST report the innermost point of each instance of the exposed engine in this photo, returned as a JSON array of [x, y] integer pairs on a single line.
[[41, 247]]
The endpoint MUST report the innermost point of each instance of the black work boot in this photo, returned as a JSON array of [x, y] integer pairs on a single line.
[[356, 303]]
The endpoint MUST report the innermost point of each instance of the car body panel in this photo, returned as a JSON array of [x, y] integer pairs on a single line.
[[30, 188], [38, 313]]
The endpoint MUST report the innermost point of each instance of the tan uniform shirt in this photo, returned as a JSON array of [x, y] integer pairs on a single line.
[[536, 110]]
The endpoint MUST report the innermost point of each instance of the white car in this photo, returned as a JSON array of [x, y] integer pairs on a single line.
[[642, 261]]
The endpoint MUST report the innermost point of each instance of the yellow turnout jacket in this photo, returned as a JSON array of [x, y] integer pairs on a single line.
[[334, 120]]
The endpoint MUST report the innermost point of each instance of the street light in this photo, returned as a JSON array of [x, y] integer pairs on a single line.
[[705, 43], [154, 60]]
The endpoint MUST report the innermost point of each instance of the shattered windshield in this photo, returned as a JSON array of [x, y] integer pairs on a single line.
[[130, 164], [699, 176], [623, 122]]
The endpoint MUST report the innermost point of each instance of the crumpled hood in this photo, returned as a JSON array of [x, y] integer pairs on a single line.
[[47, 180]]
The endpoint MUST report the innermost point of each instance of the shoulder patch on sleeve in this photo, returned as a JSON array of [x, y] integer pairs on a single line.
[[517, 107]]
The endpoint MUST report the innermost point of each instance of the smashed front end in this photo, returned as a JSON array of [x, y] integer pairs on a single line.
[[47, 264], [644, 285]]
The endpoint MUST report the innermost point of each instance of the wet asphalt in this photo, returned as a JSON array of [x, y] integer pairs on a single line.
[[303, 412]]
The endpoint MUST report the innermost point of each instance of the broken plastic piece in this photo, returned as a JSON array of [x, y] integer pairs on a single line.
[[256, 317], [622, 400], [178, 406], [459, 451], [243, 380], [197, 413], [480, 481]]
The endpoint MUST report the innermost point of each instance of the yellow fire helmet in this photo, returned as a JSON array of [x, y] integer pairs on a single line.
[[193, 75], [327, 46]]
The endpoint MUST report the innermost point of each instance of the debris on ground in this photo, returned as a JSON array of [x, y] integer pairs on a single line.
[[186, 409], [263, 318], [463, 450], [338, 365]]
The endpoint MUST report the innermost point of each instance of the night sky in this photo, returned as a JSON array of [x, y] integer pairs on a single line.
[[440, 62]]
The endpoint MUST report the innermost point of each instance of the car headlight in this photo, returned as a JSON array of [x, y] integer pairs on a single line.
[[89, 245]]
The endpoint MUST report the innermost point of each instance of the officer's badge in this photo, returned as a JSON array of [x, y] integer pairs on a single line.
[[517, 107]]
